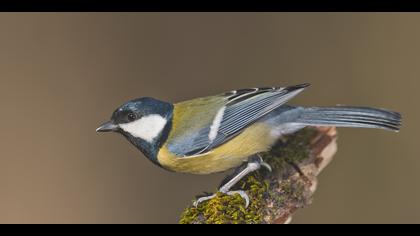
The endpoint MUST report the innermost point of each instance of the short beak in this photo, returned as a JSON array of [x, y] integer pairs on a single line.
[[106, 127]]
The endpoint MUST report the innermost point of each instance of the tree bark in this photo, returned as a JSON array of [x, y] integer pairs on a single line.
[[296, 160]]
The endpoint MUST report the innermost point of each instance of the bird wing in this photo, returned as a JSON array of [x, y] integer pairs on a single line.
[[202, 124]]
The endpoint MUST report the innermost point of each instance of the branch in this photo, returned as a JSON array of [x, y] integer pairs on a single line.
[[296, 160]]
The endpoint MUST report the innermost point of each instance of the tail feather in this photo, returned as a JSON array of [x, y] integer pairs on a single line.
[[346, 116]]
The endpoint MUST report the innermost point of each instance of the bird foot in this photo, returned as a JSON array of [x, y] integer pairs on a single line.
[[264, 164], [230, 193], [254, 164], [203, 199]]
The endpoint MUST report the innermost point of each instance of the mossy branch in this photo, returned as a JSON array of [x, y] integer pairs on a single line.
[[296, 161]]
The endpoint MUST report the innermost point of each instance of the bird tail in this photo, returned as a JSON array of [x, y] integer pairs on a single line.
[[347, 116]]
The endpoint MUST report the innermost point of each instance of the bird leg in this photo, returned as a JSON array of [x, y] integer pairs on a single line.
[[254, 164]]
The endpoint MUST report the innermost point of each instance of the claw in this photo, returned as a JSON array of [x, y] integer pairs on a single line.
[[264, 164], [202, 199], [230, 193], [267, 166]]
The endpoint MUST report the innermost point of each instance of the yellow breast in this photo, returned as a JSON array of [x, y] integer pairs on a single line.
[[254, 139]]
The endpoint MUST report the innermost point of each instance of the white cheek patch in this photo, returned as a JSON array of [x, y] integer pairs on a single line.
[[146, 128]]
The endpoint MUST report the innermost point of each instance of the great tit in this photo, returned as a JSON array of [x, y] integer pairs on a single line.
[[217, 133]]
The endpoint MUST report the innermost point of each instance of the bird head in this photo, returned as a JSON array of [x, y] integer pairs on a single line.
[[143, 121]]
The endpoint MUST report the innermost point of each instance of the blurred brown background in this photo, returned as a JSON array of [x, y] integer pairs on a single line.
[[61, 75]]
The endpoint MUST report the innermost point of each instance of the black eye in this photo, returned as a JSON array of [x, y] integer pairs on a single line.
[[131, 116]]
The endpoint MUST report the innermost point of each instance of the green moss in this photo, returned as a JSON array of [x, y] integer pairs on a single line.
[[261, 189], [224, 209]]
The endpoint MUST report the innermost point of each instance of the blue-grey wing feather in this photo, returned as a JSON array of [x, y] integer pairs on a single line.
[[242, 114], [242, 108], [237, 104]]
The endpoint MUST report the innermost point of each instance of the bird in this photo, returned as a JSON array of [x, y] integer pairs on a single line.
[[221, 132]]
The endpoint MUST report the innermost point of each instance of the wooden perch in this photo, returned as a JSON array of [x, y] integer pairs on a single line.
[[296, 160]]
